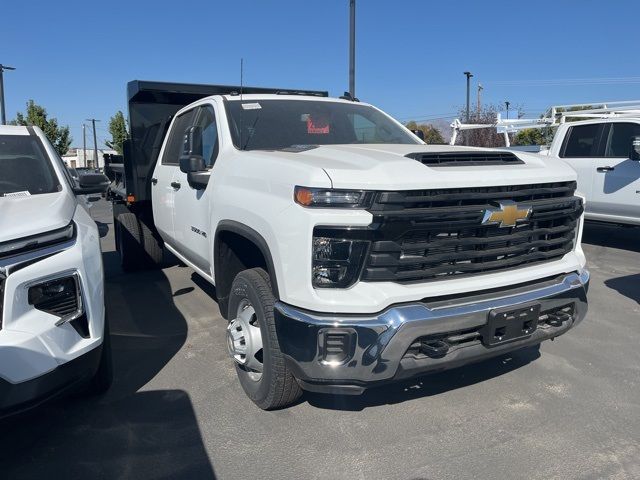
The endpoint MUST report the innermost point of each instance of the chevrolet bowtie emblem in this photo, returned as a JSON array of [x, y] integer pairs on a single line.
[[508, 214]]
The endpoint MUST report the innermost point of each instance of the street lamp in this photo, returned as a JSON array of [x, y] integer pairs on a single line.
[[3, 117], [469, 75]]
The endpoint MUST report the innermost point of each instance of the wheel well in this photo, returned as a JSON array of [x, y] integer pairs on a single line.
[[234, 253]]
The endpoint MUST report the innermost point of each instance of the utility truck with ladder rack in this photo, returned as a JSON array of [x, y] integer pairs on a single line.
[[345, 252]]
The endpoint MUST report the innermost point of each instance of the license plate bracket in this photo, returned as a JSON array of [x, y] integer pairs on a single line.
[[508, 324]]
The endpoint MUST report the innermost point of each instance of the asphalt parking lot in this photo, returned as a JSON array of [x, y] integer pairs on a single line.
[[176, 410]]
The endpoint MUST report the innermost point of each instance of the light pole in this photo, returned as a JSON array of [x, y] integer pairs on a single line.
[[95, 143], [480, 88], [507, 105], [84, 144], [3, 117], [469, 75], [352, 48]]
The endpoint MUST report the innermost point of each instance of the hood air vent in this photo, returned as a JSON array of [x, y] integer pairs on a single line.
[[465, 159]]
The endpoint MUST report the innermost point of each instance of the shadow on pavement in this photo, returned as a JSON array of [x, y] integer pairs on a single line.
[[125, 433], [613, 236], [629, 286], [427, 386]]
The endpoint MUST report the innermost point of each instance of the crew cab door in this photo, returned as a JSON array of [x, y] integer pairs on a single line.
[[192, 209], [163, 188], [580, 148], [616, 186]]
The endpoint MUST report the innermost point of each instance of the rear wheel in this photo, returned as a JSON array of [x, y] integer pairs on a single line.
[[253, 343], [136, 243]]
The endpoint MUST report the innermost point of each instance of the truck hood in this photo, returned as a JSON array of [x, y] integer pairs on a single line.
[[387, 167], [25, 216]]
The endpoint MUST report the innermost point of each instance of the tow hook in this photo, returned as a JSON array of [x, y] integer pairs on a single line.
[[557, 319], [434, 348]]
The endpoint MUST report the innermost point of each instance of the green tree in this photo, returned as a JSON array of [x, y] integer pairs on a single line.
[[118, 131], [36, 116], [531, 136], [432, 135]]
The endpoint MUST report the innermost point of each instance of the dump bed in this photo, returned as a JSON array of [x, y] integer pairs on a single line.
[[151, 108]]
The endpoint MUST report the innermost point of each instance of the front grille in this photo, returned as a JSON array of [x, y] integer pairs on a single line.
[[465, 159], [435, 234]]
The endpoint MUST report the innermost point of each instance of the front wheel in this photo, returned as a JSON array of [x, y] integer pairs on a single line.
[[253, 343]]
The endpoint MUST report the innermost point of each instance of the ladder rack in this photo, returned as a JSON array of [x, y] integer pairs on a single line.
[[554, 116]]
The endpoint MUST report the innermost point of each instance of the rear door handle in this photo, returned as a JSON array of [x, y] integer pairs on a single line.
[[176, 185], [606, 169], [154, 181]]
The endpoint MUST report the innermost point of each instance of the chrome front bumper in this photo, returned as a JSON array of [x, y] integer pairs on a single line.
[[377, 351]]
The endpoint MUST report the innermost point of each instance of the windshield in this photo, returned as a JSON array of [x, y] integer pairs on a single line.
[[24, 168], [280, 124]]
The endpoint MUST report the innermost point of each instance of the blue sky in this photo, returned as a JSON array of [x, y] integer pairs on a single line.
[[76, 57]]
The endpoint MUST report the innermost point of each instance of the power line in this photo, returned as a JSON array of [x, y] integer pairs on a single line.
[[434, 116], [560, 82]]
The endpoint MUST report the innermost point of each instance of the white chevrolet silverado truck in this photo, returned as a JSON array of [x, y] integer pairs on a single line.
[[345, 252], [53, 330]]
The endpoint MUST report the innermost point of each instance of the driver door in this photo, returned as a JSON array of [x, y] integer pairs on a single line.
[[580, 149], [616, 186], [192, 210]]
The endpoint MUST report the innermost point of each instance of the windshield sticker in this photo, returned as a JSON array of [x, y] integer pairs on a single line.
[[18, 194], [317, 125], [251, 106]]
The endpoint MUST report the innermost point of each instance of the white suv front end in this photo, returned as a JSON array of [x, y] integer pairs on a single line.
[[52, 313]]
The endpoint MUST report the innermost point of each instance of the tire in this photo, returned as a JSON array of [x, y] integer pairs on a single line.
[[276, 387], [103, 378], [138, 247]]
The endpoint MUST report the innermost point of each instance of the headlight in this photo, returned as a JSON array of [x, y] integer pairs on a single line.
[[326, 198], [336, 262]]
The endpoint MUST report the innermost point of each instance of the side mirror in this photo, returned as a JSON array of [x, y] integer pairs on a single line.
[[193, 141], [635, 149], [89, 183], [419, 134], [196, 169], [192, 163]]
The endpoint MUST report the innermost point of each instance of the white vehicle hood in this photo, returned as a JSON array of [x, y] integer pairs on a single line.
[[386, 167], [24, 216]]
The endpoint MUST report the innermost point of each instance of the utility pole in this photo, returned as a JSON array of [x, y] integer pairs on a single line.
[[469, 75], [507, 105], [480, 88], [95, 141], [84, 144], [352, 48], [3, 117]]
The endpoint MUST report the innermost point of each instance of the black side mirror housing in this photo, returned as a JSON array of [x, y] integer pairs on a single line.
[[635, 149], [196, 169], [192, 163], [89, 183], [419, 134]]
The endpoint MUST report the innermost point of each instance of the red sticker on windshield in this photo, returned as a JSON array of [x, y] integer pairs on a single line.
[[317, 125]]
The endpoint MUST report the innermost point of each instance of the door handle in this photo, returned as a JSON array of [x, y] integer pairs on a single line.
[[176, 185], [606, 169], [154, 181]]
